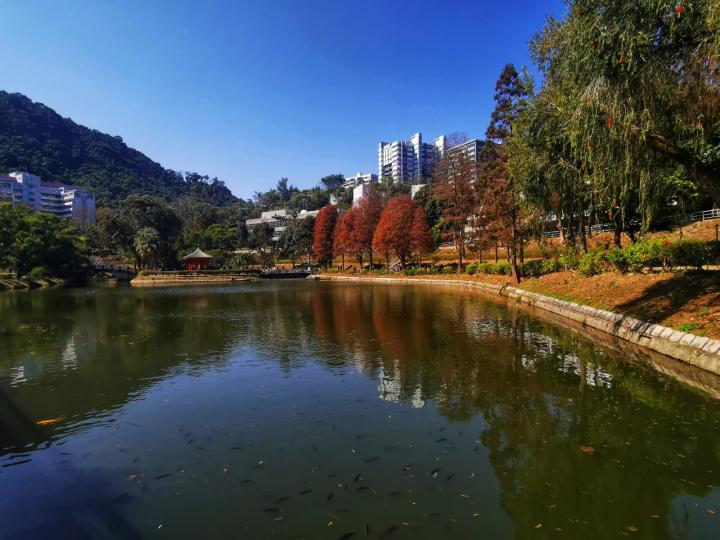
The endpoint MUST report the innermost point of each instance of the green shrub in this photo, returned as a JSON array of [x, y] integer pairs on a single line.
[[448, 270], [503, 268], [646, 253], [690, 253], [39, 272], [591, 263], [532, 268], [714, 247], [550, 265], [618, 259], [416, 271], [472, 268], [569, 261]]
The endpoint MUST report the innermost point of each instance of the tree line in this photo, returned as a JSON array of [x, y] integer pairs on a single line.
[[623, 129], [396, 228]]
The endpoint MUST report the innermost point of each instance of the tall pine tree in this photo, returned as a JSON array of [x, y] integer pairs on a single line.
[[510, 92]]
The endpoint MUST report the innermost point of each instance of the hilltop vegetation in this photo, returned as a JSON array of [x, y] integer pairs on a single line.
[[33, 137]]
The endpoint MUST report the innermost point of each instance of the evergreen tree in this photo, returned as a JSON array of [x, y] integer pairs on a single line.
[[511, 91]]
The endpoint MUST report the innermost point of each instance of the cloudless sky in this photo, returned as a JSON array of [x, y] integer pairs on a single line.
[[253, 91]]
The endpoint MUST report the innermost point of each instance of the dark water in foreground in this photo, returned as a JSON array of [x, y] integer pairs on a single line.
[[317, 410]]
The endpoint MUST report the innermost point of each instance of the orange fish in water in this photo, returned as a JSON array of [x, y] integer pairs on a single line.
[[49, 421]]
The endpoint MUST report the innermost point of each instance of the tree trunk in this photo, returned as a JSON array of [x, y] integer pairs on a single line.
[[522, 250], [583, 237], [617, 228], [513, 242], [561, 229], [461, 252], [496, 252], [342, 261]]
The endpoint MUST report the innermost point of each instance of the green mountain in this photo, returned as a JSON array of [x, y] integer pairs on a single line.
[[36, 139]]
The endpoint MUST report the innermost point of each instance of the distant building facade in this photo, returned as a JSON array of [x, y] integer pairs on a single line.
[[277, 220], [411, 160], [470, 148], [359, 192], [360, 178], [62, 200]]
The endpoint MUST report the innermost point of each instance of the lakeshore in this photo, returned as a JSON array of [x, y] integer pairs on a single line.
[[699, 351], [26, 283]]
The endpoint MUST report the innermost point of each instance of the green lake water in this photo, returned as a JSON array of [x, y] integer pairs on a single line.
[[337, 410]]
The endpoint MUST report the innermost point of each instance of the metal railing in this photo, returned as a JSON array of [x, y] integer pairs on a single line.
[[703, 215]]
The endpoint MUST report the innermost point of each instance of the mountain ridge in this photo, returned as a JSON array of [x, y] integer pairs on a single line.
[[35, 138]]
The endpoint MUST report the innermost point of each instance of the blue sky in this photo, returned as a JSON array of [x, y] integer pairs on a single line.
[[253, 91]]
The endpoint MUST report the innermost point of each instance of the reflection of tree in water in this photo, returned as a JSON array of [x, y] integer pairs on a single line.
[[86, 356], [570, 427], [543, 392]]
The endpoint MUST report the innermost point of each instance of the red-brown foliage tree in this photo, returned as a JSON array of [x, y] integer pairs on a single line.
[[420, 233], [366, 216], [395, 230], [342, 240], [323, 238], [453, 186]]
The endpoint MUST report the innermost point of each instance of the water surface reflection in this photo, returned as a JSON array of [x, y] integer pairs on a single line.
[[322, 409]]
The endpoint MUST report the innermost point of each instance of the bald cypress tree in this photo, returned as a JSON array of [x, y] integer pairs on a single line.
[[511, 90]]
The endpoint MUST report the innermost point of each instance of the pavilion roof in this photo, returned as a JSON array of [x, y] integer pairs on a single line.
[[197, 254]]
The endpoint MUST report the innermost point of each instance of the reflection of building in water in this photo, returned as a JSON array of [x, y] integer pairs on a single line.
[[68, 357], [65, 355], [546, 347], [390, 388]]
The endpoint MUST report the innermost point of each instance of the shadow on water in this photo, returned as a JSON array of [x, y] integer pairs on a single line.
[[72, 504], [579, 435]]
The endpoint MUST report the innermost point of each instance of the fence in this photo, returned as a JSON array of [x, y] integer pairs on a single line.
[[703, 215]]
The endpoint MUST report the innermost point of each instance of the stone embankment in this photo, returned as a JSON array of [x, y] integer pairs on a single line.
[[696, 350], [159, 280], [28, 283]]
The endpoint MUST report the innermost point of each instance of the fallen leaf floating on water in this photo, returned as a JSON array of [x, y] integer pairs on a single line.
[[631, 529], [587, 449], [50, 421], [538, 526]]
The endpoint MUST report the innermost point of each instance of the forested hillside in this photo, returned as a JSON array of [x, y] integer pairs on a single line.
[[35, 138]]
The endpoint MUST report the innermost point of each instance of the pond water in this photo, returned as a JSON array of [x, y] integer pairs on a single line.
[[337, 410]]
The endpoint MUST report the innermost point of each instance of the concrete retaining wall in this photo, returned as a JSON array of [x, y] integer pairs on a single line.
[[698, 351], [165, 281]]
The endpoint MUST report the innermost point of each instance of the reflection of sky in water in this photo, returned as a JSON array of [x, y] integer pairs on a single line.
[[317, 410]]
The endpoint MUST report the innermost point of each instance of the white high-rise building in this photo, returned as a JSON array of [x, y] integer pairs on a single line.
[[278, 219], [409, 161], [360, 178], [60, 199]]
